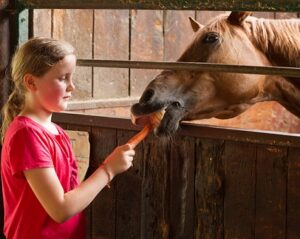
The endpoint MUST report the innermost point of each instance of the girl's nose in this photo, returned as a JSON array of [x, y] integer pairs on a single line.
[[71, 86]]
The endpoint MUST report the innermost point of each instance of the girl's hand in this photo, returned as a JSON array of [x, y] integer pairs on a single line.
[[119, 160]]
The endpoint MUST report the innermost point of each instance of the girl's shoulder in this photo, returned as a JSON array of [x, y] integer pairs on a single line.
[[22, 122]]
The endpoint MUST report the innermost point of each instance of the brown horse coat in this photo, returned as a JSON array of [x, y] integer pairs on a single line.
[[228, 39]]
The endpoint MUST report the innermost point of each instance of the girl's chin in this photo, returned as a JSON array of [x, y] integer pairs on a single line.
[[62, 107]]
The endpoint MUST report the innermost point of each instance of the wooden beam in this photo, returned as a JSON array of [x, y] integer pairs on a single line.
[[228, 5], [193, 66], [186, 129]]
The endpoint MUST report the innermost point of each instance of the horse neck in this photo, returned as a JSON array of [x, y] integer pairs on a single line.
[[279, 40]]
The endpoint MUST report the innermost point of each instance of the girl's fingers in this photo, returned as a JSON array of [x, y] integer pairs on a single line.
[[129, 146]]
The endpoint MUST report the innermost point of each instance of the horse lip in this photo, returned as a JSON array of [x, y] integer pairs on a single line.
[[142, 118], [139, 109]]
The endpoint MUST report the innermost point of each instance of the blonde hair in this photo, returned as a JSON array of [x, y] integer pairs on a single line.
[[35, 57]]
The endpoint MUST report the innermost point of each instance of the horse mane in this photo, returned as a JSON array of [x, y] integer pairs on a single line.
[[278, 39]]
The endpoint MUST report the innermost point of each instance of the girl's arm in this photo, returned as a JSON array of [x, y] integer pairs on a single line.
[[62, 205]]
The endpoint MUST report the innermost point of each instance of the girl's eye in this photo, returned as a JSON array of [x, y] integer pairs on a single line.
[[62, 78], [211, 37]]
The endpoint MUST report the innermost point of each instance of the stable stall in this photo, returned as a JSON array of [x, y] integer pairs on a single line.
[[204, 182]]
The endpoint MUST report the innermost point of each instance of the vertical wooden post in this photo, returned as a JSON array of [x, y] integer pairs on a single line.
[[4, 52], [9, 35]]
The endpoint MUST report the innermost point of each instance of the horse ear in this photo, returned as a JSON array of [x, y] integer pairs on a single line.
[[237, 18], [195, 25]]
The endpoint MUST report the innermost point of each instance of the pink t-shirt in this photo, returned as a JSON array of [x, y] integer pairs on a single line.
[[28, 145]]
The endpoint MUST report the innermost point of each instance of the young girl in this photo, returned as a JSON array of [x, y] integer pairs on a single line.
[[41, 194]]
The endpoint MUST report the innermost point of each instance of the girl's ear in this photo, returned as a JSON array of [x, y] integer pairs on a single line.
[[29, 82]]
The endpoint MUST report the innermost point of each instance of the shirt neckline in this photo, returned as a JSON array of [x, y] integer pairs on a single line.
[[41, 126]]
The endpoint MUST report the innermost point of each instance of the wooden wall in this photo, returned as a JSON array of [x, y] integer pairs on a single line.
[[203, 183], [139, 35]]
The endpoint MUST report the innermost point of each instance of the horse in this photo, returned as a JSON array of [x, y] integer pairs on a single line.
[[235, 38]]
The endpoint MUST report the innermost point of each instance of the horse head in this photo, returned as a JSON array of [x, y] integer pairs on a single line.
[[189, 95]]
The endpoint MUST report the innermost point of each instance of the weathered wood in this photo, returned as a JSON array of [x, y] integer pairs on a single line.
[[111, 41], [246, 5], [285, 15], [239, 202], [146, 44], [155, 197], [271, 188], [188, 129], [293, 194], [129, 194], [209, 194], [102, 103], [182, 188], [68, 25], [42, 19], [103, 210], [193, 66], [178, 33], [204, 17]]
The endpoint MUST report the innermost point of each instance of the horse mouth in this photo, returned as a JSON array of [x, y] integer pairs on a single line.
[[164, 118], [153, 118]]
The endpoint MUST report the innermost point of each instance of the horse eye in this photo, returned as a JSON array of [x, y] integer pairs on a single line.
[[211, 37]]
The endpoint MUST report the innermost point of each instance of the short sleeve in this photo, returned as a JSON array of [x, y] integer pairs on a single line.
[[28, 149]]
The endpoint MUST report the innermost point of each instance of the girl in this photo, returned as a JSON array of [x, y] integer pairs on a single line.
[[41, 194]]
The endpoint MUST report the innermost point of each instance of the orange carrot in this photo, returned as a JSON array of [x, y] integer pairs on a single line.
[[136, 139], [153, 121]]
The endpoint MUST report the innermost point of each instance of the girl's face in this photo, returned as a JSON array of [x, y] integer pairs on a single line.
[[53, 89]]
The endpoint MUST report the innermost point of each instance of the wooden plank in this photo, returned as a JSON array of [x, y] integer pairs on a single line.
[[270, 15], [182, 191], [146, 44], [155, 222], [285, 15], [178, 33], [193, 66], [209, 194], [188, 129], [246, 5], [204, 17], [239, 201], [271, 186], [293, 194], [129, 194], [68, 25], [103, 210], [111, 41], [42, 19]]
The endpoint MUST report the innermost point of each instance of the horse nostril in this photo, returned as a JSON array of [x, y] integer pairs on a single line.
[[146, 97], [176, 104]]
